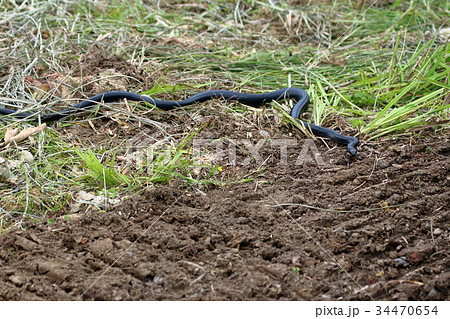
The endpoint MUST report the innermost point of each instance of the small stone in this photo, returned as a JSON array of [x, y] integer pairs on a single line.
[[437, 231], [26, 156], [264, 133], [383, 164], [342, 232], [432, 293], [400, 262]]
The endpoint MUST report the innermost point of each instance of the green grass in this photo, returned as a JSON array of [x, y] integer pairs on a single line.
[[382, 69], [105, 174]]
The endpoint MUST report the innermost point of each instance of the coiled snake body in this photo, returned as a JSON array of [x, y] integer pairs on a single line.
[[254, 100]]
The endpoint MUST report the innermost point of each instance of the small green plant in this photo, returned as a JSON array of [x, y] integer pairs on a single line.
[[105, 175], [297, 270], [176, 161]]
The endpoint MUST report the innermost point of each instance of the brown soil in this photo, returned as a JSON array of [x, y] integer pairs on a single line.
[[172, 243], [124, 74], [375, 227]]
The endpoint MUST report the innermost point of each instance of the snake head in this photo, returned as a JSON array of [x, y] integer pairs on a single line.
[[351, 147]]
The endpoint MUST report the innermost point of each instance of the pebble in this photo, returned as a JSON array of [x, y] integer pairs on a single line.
[[342, 231], [264, 133], [432, 293], [400, 262], [437, 231], [26, 156], [383, 164]]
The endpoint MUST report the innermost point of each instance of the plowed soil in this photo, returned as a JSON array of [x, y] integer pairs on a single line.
[[371, 227], [378, 229]]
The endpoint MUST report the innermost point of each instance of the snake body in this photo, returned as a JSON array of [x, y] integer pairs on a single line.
[[255, 100]]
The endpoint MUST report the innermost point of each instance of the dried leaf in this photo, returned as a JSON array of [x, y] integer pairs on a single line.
[[9, 134], [25, 133]]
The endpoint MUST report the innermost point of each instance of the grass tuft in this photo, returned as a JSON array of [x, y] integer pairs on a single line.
[[104, 174]]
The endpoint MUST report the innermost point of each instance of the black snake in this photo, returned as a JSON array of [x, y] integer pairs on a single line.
[[254, 100]]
